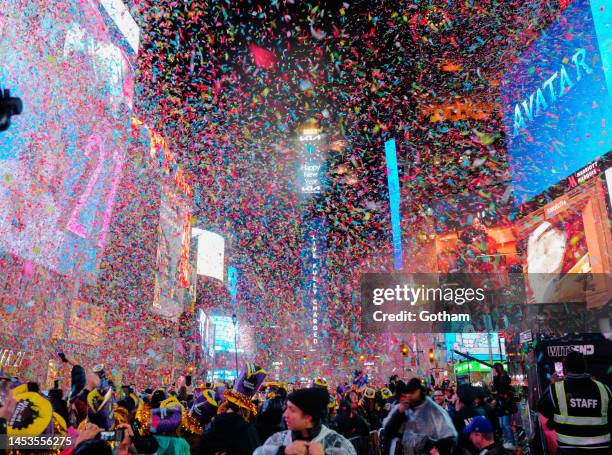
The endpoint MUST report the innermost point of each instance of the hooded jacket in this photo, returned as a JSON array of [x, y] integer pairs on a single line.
[[425, 424]]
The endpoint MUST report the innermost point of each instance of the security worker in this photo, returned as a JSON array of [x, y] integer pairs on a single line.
[[579, 408]]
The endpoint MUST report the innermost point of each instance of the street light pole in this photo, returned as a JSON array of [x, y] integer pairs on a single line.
[[234, 321]]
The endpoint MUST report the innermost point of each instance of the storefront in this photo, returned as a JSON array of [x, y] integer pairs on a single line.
[[474, 372]]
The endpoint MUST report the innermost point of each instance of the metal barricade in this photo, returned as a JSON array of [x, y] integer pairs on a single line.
[[361, 445], [367, 445]]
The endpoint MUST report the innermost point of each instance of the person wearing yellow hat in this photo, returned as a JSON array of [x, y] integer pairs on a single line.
[[367, 405], [26, 413], [320, 382]]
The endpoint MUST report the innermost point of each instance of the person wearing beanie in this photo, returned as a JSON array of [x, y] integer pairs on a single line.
[[418, 423], [578, 409], [306, 435]]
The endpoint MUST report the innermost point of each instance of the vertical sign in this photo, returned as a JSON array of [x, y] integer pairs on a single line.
[[232, 282], [312, 160], [394, 202], [314, 277]]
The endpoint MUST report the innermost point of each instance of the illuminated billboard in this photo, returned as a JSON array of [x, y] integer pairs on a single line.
[[121, 17], [311, 158], [206, 332], [211, 251], [168, 282], [62, 159], [566, 252], [172, 288], [224, 335], [556, 100], [477, 345]]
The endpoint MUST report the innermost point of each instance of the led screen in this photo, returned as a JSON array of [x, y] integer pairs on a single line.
[[62, 158], [224, 335], [173, 228], [476, 344], [206, 332], [556, 100], [211, 249]]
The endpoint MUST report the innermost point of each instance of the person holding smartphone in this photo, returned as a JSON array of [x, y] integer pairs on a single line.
[[94, 439]]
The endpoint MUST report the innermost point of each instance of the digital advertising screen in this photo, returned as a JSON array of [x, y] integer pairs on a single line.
[[170, 281], [477, 344], [556, 250], [172, 287], [556, 100], [224, 333], [62, 158], [211, 254], [563, 243], [312, 162], [206, 332]]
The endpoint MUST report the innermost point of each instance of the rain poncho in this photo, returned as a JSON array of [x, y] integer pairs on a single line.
[[171, 445], [420, 427], [332, 442]]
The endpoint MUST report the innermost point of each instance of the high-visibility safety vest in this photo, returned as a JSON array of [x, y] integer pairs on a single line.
[[581, 415]]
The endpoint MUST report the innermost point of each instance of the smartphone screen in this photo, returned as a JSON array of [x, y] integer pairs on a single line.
[[559, 369], [107, 435], [136, 427]]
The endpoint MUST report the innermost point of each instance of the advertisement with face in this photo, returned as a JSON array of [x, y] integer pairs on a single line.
[[556, 254]]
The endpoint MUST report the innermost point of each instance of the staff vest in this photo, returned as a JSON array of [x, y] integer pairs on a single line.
[[581, 414]]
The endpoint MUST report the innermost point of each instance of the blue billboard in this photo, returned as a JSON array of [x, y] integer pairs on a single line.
[[556, 100], [62, 159], [224, 333]]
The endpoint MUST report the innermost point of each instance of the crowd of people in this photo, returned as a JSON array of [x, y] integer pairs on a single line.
[[266, 418]]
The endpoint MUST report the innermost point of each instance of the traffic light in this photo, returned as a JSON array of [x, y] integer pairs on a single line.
[[404, 350], [362, 357], [432, 356]]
